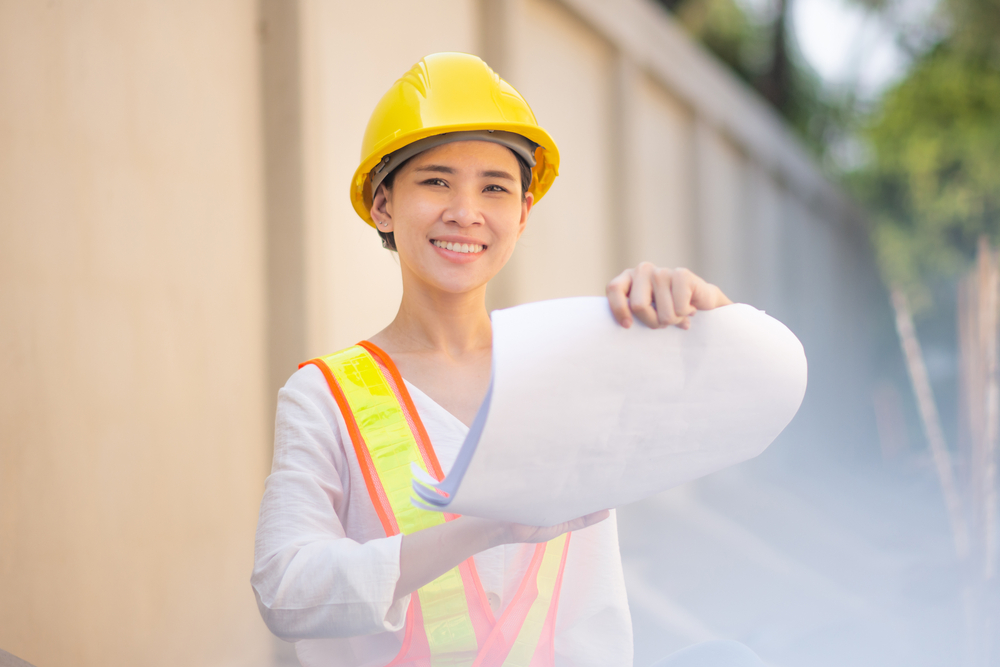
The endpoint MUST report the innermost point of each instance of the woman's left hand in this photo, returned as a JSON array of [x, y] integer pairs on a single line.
[[660, 297]]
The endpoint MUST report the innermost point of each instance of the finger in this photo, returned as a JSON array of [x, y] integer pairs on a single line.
[[595, 517], [702, 294], [584, 521], [617, 291], [665, 314], [545, 534], [710, 297], [707, 296], [640, 298], [682, 288]]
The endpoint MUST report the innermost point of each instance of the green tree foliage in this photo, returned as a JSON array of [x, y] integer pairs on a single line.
[[933, 179], [975, 29], [726, 30]]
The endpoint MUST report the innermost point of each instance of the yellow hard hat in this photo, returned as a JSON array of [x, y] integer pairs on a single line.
[[456, 94]]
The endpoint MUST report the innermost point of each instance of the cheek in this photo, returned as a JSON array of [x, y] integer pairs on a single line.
[[415, 217], [508, 221]]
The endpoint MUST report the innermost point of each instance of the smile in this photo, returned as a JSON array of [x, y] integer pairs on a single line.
[[459, 247]]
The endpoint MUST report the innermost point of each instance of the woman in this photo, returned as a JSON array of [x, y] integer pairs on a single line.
[[452, 164]]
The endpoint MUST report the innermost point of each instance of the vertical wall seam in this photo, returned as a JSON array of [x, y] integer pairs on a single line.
[[284, 188]]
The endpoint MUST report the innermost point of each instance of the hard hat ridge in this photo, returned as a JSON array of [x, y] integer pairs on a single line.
[[449, 97]]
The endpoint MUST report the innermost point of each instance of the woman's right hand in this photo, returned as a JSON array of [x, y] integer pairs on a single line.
[[427, 554], [516, 533]]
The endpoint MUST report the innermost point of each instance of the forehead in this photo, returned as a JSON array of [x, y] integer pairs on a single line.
[[470, 152]]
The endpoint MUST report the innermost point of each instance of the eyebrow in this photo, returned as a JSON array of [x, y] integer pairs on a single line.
[[442, 169], [436, 167], [497, 174]]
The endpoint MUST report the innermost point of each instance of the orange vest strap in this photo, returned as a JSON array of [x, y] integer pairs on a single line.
[[372, 482]]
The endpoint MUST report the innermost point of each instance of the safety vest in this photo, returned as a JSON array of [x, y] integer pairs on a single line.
[[449, 622]]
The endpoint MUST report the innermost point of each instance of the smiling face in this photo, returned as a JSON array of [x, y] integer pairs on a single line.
[[456, 212]]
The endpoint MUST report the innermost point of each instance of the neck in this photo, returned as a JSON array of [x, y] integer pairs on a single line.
[[431, 321]]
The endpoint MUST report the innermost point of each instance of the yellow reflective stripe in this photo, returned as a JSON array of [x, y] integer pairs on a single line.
[[386, 433], [392, 447], [450, 634], [531, 631]]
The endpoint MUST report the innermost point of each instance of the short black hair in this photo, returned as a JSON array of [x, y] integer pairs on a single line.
[[389, 238]]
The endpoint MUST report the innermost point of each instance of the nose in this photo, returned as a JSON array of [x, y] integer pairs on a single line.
[[462, 209]]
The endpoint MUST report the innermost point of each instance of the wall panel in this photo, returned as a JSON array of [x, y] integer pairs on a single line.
[[762, 252], [664, 182], [722, 198], [132, 421], [564, 71]]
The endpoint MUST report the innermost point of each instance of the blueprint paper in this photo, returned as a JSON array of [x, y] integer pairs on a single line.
[[584, 415]]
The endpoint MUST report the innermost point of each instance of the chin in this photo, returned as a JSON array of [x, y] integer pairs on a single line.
[[451, 287], [454, 279], [458, 284]]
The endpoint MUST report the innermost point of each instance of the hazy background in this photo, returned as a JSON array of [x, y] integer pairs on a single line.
[[176, 235]]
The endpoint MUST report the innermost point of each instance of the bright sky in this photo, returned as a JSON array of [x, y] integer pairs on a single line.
[[844, 43]]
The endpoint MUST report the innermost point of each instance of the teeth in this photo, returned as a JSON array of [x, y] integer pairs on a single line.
[[459, 247]]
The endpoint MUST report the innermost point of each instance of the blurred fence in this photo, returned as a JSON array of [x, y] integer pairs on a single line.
[[175, 235]]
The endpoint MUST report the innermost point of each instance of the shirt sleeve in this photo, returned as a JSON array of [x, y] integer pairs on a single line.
[[309, 578]]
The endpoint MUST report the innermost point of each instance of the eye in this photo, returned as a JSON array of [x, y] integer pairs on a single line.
[[495, 188], [434, 181]]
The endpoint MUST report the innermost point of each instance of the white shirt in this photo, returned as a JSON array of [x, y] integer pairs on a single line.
[[325, 573]]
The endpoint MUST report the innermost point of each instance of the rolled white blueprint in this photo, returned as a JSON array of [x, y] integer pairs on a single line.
[[584, 415]]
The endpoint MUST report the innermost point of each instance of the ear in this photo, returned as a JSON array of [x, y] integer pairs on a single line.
[[529, 201], [381, 210]]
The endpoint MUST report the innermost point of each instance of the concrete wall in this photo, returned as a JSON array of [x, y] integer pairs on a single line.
[[133, 428], [175, 236]]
